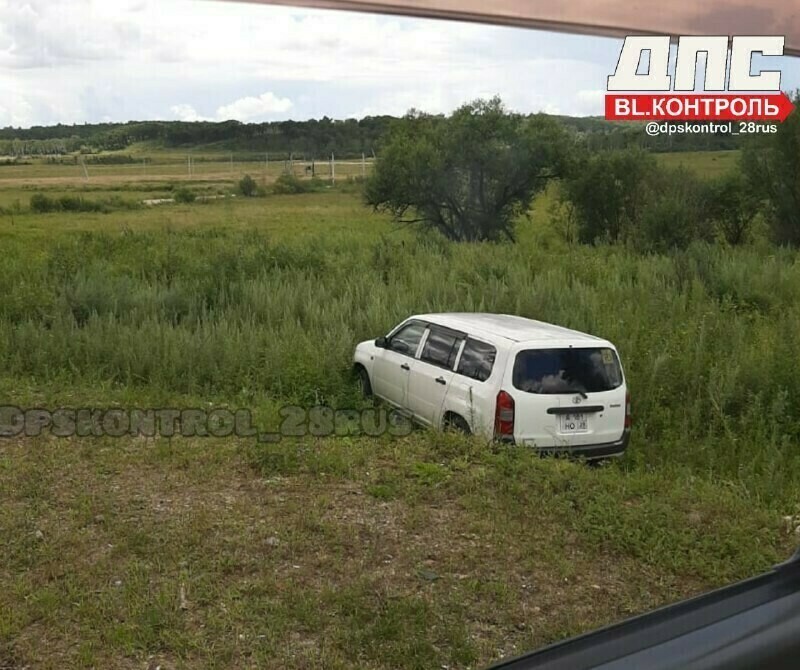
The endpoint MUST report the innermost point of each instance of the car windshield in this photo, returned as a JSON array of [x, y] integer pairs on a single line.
[[568, 370]]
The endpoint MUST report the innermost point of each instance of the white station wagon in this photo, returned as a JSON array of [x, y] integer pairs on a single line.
[[504, 377]]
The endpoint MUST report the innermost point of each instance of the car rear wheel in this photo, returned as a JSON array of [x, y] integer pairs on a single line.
[[456, 424]]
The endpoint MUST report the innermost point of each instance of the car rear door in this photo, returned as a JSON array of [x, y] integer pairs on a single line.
[[471, 395], [432, 373], [392, 365], [567, 396]]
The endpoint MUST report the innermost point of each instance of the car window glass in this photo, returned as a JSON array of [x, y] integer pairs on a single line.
[[441, 348], [406, 340], [477, 360], [573, 370]]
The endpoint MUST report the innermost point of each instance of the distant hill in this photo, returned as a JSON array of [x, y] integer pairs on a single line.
[[315, 138]]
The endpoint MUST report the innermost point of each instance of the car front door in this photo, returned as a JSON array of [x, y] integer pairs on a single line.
[[393, 364], [431, 375]]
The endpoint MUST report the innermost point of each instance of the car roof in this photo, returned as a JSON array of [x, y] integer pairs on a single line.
[[509, 327]]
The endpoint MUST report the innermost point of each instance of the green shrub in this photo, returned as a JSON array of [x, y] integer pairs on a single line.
[[41, 204], [289, 184], [247, 186], [771, 164], [73, 203], [676, 213], [184, 195]]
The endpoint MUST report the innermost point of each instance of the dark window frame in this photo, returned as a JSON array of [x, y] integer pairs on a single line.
[[458, 336], [469, 339], [400, 328]]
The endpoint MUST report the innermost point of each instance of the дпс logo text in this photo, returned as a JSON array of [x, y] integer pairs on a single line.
[[728, 67]]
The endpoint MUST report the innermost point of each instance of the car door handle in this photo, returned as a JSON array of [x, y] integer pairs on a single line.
[[405, 366], [441, 380]]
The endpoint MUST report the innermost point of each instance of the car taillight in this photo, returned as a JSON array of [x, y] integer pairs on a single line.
[[504, 415], [628, 417]]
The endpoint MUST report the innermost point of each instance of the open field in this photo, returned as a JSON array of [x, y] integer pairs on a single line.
[[158, 165], [416, 552], [706, 163], [174, 165]]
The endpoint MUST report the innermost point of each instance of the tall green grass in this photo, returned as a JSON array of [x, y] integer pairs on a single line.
[[708, 337]]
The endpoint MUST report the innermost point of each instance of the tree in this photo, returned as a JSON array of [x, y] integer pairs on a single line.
[[675, 214], [608, 191], [772, 166], [247, 186], [469, 175], [625, 196], [733, 206]]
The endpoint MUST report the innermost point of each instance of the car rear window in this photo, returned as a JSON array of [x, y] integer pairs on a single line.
[[571, 370], [477, 360]]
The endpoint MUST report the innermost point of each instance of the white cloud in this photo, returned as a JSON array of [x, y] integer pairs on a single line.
[[590, 102], [185, 113], [19, 115], [254, 108], [249, 108]]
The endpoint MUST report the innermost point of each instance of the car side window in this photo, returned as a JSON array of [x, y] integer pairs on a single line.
[[406, 340], [477, 360], [441, 348]]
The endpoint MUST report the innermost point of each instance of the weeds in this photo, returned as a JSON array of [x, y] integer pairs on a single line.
[[421, 551]]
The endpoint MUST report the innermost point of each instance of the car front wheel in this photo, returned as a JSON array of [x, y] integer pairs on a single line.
[[363, 382]]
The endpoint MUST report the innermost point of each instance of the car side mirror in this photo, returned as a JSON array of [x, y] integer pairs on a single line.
[[381, 342]]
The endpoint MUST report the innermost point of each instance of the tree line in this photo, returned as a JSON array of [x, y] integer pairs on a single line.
[[470, 177], [346, 138]]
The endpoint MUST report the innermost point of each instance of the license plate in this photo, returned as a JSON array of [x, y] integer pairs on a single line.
[[574, 423]]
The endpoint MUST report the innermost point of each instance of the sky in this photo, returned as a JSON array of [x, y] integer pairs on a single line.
[[84, 61]]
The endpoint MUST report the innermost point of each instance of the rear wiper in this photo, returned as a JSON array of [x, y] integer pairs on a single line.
[[582, 394]]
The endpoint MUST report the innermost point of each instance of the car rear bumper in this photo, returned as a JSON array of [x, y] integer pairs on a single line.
[[590, 452]]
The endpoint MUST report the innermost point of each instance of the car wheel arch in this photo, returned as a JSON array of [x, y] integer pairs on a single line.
[[454, 421], [361, 372]]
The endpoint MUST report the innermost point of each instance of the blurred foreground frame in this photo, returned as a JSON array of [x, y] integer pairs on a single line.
[[607, 18]]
